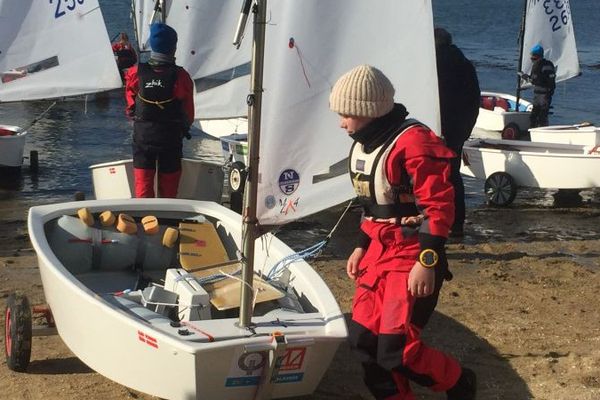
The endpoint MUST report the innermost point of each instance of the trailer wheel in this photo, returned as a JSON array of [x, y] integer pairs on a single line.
[[17, 332], [500, 189], [34, 161], [511, 132], [237, 177]]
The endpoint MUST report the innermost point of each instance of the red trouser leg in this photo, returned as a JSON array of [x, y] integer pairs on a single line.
[[168, 183], [144, 182], [382, 334]]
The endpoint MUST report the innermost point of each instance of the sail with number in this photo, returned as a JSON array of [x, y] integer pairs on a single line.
[[205, 29], [51, 49], [550, 24], [303, 152]]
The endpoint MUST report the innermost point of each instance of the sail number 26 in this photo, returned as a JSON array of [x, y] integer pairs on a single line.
[[558, 12], [63, 6]]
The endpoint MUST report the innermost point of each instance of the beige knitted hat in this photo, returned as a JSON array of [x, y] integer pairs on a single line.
[[362, 92]]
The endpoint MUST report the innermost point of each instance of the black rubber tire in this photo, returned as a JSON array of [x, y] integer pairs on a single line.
[[17, 332], [500, 189], [511, 132], [237, 177], [34, 161]]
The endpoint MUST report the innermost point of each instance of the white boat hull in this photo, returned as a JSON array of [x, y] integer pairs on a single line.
[[150, 355], [200, 180], [12, 146], [567, 134], [538, 165], [496, 118]]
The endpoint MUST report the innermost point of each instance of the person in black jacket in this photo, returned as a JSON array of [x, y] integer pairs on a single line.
[[543, 79], [459, 107]]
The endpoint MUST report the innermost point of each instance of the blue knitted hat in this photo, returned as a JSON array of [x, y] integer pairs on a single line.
[[163, 38], [537, 50]]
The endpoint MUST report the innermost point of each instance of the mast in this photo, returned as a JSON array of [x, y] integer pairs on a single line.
[[521, 46], [250, 231]]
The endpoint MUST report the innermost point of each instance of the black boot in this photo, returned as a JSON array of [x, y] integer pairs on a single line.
[[465, 388]]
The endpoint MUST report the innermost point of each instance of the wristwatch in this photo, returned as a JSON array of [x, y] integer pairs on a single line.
[[428, 258]]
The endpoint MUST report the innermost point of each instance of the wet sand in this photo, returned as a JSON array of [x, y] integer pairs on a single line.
[[522, 309]]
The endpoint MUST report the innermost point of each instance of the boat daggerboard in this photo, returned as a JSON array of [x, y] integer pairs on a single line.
[[205, 30], [303, 151], [549, 24], [52, 49]]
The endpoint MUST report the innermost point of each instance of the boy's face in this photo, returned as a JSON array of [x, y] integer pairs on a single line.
[[352, 124]]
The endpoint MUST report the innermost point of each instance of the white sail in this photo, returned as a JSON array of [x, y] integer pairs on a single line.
[[54, 49], [205, 31], [549, 24], [303, 151]]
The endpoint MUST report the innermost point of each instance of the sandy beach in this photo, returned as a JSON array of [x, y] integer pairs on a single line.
[[522, 309]]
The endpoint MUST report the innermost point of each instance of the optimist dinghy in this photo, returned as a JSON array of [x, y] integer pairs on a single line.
[[171, 304]]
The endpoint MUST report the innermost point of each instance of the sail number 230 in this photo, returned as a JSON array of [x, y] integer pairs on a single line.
[[64, 6], [558, 12]]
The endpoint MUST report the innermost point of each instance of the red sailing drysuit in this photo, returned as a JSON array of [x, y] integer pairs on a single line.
[[161, 101], [408, 174]]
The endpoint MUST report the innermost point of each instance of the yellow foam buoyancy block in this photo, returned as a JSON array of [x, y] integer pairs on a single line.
[[85, 216], [170, 237], [126, 224], [200, 245], [150, 224], [107, 218]]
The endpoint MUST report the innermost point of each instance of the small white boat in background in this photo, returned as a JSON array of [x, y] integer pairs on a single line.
[[171, 304], [550, 25], [200, 180], [12, 146], [506, 165], [498, 112], [219, 128], [583, 134]]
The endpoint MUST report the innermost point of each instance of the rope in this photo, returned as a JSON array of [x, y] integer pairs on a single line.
[[159, 104], [310, 252]]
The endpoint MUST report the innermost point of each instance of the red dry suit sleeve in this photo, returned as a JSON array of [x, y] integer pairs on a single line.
[[131, 89], [427, 162], [184, 92]]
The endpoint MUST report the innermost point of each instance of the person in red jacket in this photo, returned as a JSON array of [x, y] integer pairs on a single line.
[[160, 99], [125, 54], [401, 173]]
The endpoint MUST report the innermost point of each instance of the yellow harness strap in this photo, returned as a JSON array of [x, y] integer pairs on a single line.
[[159, 104]]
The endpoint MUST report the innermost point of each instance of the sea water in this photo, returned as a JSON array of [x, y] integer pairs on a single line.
[[76, 134]]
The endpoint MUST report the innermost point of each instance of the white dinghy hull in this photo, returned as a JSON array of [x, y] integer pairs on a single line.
[[12, 146], [585, 135], [200, 180], [538, 165], [201, 359], [498, 110]]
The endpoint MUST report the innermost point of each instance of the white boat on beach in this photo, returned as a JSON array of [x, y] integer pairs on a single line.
[[172, 310], [550, 25], [506, 165], [200, 180], [166, 291], [12, 146], [583, 134], [499, 112]]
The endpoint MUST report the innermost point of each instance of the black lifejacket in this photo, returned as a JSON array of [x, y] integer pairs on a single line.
[[155, 100], [543, 76], [378, 197]]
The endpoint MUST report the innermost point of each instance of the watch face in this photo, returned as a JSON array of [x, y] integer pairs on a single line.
[[428, 258]]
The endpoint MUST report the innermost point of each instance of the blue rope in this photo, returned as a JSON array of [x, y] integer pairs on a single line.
[[285, 262]]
